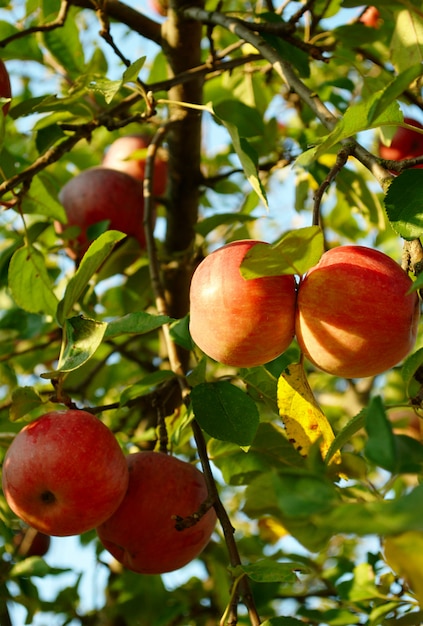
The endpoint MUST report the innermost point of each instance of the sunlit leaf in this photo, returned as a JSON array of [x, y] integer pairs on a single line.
[[24, 400], [82, 337], [403, 204], [30, 283], [136, 323], [404, 554], [295, 253], [304, 420], [91, 262]]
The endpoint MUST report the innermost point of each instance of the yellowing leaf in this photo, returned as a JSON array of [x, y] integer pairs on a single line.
[[404, 554], [304, 420], [271, 530]]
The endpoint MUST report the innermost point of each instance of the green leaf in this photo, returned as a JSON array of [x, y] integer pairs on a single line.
[[145, 386], [34, 566], [82, 337], [403, 204], [42, 197], [356, 119], [108, 88], [24, 400], [30, 283], [393, 90], [247, 156], [247, 120], [412, 372], [207, 225], [270, 571], [64, 43], [380, 446], [295, 253], [407, 35], [131, 73], [135, 324], [92, 260], [225, 412], [283, 621]]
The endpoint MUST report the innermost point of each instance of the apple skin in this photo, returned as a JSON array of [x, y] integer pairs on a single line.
[[160, 6], [64, 473], [141, 534], [98, 194], [118, 156], [239, 322], [354, 315], [371, 17], [5, 88], [405, 144], [31, 542]]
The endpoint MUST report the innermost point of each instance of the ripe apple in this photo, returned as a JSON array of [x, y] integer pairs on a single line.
[[99, 194], [5, 88], [141, 534], [355, 317], [122, 155], [31, 542], [405, 144], [159, 6], [371, 17], [240, 322], [64, 473]]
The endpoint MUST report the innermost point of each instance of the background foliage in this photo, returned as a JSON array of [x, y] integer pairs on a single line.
[[270, 113]]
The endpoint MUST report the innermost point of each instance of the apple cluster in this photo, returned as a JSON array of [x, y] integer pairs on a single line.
[[353, 314], [65, 474], [111, 195]]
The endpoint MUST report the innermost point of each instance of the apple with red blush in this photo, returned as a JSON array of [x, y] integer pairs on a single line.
[[371, 17], [64, 473], [101, 194], [406, 143], [163, 491], [128, 154], [31, 542], [356, 316], [240, 322]]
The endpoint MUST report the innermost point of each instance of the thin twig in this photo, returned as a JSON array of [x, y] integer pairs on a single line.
[[41, 28]]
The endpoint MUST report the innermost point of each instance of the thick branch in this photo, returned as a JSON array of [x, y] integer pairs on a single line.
[[125, 14], [182, 47], [289, 77]]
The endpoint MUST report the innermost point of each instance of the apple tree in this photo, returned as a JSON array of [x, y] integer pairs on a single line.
[[294, 124]]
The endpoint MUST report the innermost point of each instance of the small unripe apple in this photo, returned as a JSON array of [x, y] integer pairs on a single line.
[[240, 322], [141, 534], [355, 315], [31, 542], [371, 17], [64, 473], [405, 144], [122, 155], [5, 88], [102, 194]]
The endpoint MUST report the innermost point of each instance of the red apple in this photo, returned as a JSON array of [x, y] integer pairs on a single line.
[[355, 317], [159, 6], [31, 542], [64, 473], [240, 322], [5, 88], [141, 534], [371, 17], [99, 194], [122, 155], [405, 144]]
